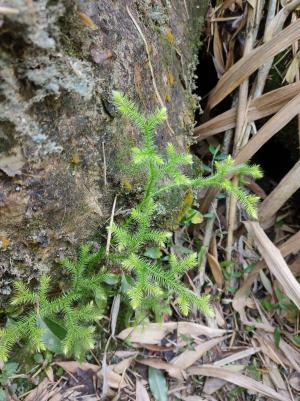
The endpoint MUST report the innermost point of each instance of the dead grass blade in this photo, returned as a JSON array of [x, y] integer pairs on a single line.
[[189, 357], [275, 124], [251, 62], [292, 245], [237, 379], [282, 192], [275, 261], [153, 333], [260, 107]]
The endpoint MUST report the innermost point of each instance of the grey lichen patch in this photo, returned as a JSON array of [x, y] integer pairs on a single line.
[[38, 19], [68, 73]]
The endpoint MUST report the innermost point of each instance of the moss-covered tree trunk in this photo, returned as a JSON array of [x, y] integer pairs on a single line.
[[63, 151]]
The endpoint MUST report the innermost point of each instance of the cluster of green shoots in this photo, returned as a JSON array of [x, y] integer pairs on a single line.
[[152, 283]]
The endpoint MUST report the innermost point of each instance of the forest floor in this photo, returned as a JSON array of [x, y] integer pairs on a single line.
[[249, 350]]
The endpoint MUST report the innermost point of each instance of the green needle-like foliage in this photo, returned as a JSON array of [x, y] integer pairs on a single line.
[[74, 310], [153, 284], [164, 173]]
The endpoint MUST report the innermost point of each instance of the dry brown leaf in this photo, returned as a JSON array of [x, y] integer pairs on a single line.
[[153, 333], [253, 60], [189, 357], [260, 107], [141, 393], [237, 379], [172, 370], [275, 261], [236, 356], [213, 384], [216, 270], [268, 130], [114, 380], [282, 192], [72, 366], [123, 365]]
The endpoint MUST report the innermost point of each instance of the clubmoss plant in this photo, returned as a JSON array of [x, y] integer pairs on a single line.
[[153, 283], [164, 173], [71, 314]]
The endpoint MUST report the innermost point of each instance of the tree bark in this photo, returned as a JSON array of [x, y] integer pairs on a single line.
[[64, 152]]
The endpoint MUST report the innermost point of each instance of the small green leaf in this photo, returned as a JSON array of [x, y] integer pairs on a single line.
[[153, 253], [197, 218], [11, 368], [158, 384], [277, 336], [111, 279], [51, 341]]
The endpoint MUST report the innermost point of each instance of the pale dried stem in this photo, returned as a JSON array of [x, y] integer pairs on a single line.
[[254, 17]]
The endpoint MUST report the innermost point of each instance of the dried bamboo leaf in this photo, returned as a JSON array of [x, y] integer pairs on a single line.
[[189, 357], [282, 192], [153, 333], [260, 107], [213, 384], [253, 60], [292, 245], [275, 261], [172, 370], [237, 379], [216, 270], [237, 356], [275, 124]]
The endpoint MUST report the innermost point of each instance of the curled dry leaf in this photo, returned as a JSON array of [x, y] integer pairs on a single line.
[[153, 333], [237, 379], [114, 379]]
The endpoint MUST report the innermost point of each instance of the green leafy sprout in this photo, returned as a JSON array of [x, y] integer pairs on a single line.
[[153, 282]]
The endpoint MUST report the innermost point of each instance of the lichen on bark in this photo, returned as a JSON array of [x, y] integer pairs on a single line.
[[60, 61]]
